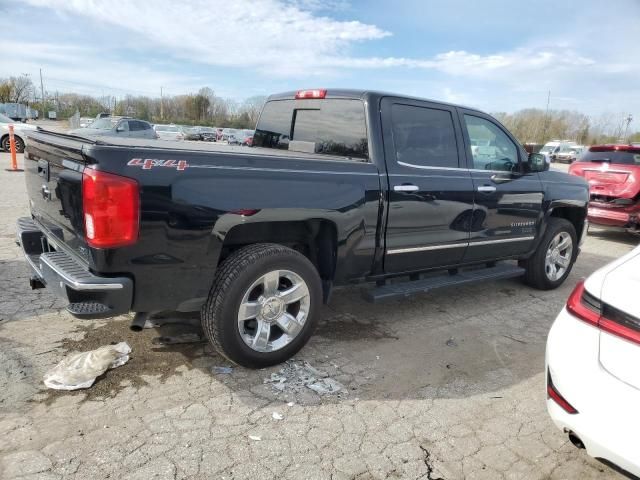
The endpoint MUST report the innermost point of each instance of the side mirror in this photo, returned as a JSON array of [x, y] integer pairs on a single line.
[[120, 129], [537, 162]]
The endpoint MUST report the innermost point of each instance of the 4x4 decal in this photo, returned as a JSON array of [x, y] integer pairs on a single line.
[[149, 163]]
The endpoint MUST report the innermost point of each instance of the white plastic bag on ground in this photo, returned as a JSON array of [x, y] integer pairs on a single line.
[[82, 369]]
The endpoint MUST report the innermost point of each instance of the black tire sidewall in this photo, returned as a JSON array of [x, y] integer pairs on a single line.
[[227, 314], [6, 145], [556, 226]]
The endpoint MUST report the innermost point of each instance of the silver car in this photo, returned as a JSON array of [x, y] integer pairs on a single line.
[[20, 131], [117, 127]]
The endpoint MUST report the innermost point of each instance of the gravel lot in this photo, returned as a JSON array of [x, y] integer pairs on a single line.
[[442, 386]]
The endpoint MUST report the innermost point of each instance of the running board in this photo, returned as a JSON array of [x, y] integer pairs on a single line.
[[406, 289]]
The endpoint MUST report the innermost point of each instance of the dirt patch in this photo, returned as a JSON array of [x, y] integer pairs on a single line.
[[146, 359], [347, 327]]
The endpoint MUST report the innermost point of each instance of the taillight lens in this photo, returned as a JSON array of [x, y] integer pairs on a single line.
[[554, 394], [111, 209], [588, 308], [583, 305]]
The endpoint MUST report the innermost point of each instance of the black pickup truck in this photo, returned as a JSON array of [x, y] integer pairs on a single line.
[[340, 187]]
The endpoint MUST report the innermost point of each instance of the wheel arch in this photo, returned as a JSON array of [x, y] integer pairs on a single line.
[[573, 213], [316, 239]]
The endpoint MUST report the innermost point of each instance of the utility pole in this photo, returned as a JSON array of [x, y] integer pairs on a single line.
[[546, 117], [629, 119], [161, 106], [42, 91]]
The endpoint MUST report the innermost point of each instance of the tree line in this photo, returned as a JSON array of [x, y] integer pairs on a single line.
[[204, 107]]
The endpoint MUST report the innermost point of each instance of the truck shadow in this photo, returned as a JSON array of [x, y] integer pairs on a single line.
[[473, 340]]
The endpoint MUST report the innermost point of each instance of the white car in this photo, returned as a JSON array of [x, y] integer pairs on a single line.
[[20, 131], [169, 132], [593, 364]]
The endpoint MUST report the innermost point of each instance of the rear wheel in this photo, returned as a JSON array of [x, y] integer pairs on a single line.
[[551, 264], [263, 305]]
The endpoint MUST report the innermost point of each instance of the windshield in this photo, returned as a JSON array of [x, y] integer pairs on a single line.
[[567, 149], [5, 119], [548, 148], [104, 123]]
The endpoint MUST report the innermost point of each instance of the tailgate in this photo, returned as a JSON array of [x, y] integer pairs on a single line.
[[609, 180], [53, 173]]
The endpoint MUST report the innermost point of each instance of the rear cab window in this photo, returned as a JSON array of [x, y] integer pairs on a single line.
[[334, 127]]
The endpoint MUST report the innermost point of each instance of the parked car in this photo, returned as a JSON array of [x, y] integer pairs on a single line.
[[550, 149], [227, 132], [169, 132], [248, 137], [191, 133], [208, 134], [359, 187], [593, 353], [568, 153], [613, 173], [236, 137], [20, 131], [85, 122], [117, 127]]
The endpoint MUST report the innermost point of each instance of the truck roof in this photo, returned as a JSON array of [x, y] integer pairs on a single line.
[[357, 94]]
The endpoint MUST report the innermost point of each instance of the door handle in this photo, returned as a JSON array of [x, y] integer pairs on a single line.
[[486, 189], [405, 188], [501, 179]]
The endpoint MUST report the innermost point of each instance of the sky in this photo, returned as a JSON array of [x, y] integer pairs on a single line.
[[496, 55]]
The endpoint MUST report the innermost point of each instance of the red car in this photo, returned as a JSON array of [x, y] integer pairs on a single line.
[[613, 173]]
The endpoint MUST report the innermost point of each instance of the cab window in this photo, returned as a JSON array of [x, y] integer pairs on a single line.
[[491, 148]]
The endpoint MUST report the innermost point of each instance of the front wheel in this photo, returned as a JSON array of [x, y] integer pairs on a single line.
[[551, 263], [263, 305], [6, 146]]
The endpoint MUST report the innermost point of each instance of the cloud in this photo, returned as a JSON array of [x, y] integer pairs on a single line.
[[271, 35], [83, 69], [275, 45]]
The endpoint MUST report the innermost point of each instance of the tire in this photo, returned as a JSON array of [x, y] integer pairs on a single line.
[[540, 269], [243, 280], [6, 146]]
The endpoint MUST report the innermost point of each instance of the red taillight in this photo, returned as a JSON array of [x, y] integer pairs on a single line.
[[579, 308], [586, 307], [111, 209], [311, 93], [617, 328], [553, 394]]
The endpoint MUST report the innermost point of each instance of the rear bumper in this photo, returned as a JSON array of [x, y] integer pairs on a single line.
[[88, 295], [626, 218], [606, 421]]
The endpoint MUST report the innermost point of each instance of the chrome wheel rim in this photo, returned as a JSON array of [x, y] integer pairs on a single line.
[[558, 257], [273, 310]]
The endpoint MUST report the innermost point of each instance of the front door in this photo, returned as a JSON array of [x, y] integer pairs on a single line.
[[508, 198], [430, 189]]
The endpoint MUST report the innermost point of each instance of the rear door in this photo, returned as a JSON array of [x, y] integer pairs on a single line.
[[507, 198], [430, 188]]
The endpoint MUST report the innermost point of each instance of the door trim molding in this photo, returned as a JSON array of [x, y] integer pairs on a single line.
[[427, 248], [502, 240]]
